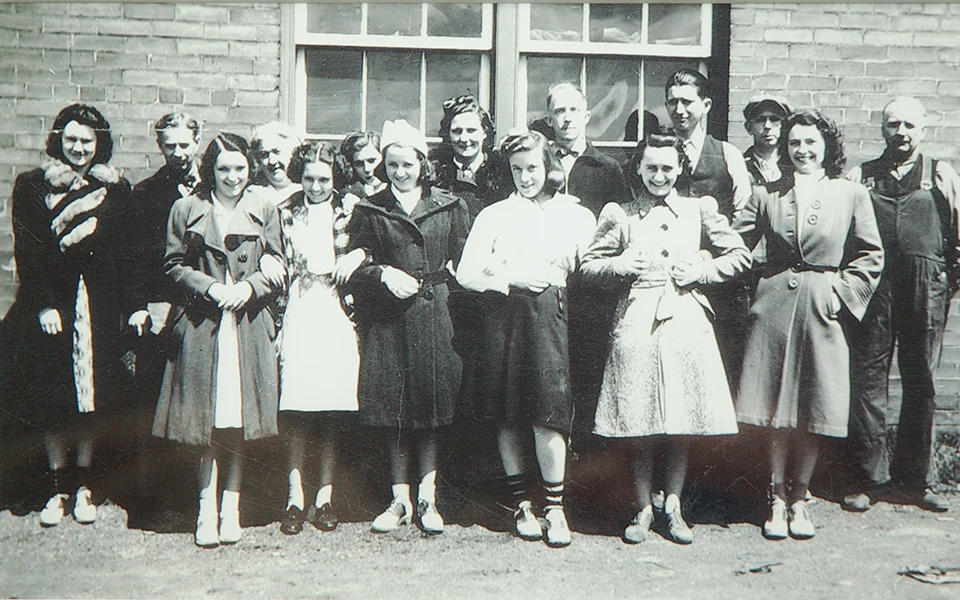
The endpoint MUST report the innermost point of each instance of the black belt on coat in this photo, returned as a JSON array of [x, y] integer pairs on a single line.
[[435, 278], [797, 267]]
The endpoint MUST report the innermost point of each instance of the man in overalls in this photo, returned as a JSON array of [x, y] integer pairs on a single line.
[[915, 200]]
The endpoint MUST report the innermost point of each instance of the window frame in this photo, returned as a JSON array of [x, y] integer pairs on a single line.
[[301, 39]]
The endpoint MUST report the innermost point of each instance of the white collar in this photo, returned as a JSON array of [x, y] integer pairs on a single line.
[[473, 166], [697, 136], [408, 200]]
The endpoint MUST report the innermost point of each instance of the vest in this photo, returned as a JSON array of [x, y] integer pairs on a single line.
[[710, 178], [911, 212]]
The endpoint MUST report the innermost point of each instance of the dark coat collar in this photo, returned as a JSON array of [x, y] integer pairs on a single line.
[[246, 221], [432, 201]]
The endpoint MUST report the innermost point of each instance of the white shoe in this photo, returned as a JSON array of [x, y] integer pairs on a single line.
[[206, 535], [775, 528], [528, 526], [558, 532], [430, 519], [52, 513], [230, 530], [84, 510], [639, 528], [801, 527], [397, 514]]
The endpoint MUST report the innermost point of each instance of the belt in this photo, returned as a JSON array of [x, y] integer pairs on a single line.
[[797, 267], [434, 278]]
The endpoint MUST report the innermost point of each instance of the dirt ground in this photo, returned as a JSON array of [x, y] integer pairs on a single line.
[[852, 556]]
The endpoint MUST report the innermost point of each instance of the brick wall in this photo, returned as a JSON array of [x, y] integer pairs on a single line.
[[849, 60], [135, 62]]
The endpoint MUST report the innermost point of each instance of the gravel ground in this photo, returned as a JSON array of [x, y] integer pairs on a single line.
[[852, 556]]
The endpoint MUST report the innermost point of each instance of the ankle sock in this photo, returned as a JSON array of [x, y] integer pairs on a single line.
[[427, 490], [552, 495], [401, 492], [295, 489], [324, 495], [671, 503]]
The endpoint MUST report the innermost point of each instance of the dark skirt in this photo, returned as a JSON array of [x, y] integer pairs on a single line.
[[525, 360]]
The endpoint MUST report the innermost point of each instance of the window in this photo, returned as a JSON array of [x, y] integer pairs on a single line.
[[620, 54], [358, 65]]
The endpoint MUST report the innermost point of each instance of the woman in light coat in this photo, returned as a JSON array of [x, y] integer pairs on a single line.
[[824, 260]]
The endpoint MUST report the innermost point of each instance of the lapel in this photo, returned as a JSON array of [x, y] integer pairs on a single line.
[[245, 222], [430, 202], [200, 222]]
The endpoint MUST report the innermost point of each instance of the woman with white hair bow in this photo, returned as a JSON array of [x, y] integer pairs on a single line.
[[409, 373]]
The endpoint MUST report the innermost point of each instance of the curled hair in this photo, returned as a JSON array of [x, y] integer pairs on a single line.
[[833, 158], [525, 142], [273, 128], [317, 151], [462, 105], [428, 174], [355, 142], [690, 77], [225, 142], [83, 114], [175, 120], [657, 139]]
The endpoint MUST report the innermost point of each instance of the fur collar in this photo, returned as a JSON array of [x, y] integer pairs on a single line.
[[62, 177]]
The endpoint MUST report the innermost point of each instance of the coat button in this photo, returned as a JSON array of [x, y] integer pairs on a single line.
[[428, 294], [815, 204], [664, 227], [813, 219], [793, 283], [664, 254], [242, 257]]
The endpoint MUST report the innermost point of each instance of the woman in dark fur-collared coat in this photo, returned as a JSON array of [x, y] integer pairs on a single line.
[[61, 343], [220, 383], [409, 372]]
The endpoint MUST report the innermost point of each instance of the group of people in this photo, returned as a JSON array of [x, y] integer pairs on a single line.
[[280, 286]]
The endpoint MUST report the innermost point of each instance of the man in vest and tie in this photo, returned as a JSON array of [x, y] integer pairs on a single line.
[[595, 179], [178, 136], [915, 201], [714, 169]]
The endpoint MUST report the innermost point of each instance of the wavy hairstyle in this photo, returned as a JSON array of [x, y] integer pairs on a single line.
[[661, 138], [318, 151], [833, 157], [690, 77], [224, 142], [462, 105], [355, 142], [83, 114], [527, 141]]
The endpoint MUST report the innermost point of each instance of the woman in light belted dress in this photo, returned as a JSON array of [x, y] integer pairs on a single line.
[[664, 380], [413, 234], [319, 360], [220, 383], [824, 261]]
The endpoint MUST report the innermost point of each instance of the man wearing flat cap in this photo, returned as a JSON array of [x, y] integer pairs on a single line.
[[763, 117], [915, 199]]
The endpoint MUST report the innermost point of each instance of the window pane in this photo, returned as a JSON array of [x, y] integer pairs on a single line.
[[677, 24], [655, 75], [393, 19], [542, 72], [333, 18], [556, 22], [393, 87], [449, 75], [613, 92], [615, 23], [333, 90], [454, 20]]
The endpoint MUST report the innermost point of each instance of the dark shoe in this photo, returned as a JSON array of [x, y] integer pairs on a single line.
[[292, 524], [324, 518], [856, 502]]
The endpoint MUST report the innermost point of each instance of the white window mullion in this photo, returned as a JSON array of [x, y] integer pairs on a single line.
[[363, 91], [645, 24], [585, 24], [423, 19], [642, 99], [363, 18], [300, 84], [423, 92]]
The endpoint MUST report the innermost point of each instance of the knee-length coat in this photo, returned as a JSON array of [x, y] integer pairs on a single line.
[[796, 369], [66, 227], [198, 256], [409, 372]]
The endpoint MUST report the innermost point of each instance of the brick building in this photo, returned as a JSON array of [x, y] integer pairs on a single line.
[[329, 69]]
